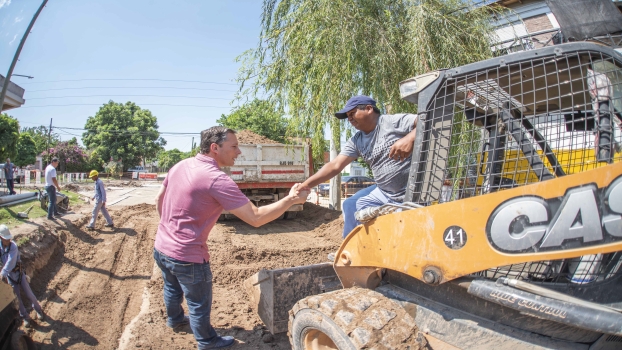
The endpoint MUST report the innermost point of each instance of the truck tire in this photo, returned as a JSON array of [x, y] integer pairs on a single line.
[[290, 215], [352, 318], [21, 341]]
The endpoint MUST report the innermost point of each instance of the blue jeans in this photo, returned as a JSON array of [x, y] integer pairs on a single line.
[[51, 190], [10, 185], [371, 196], [194, 281]]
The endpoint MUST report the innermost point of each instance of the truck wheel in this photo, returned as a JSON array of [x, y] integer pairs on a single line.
[[20, 341], [290, 215], [352, 318]]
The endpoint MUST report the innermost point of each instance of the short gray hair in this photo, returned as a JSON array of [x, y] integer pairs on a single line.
[[215, 134]]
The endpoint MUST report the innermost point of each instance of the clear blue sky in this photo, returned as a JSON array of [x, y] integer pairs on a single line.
[[191, 40]]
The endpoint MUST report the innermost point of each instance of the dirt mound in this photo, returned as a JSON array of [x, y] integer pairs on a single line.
[[249, 137], [71, 187]]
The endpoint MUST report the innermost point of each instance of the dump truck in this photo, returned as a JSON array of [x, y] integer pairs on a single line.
[[510, 234], [266, 172]]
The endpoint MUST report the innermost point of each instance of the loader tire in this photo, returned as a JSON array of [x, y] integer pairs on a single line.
[[353, 318], [21, 341]]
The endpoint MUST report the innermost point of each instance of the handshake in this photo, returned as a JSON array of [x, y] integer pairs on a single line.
[[299, 194]]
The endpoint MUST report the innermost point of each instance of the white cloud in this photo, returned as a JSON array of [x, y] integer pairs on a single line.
[[15, 37], [4, 3], [18, 19]]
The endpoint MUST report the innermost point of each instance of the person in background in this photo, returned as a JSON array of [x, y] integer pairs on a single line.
[[13, 274], [51, 185], [100, 202], [9, 176], [192, 197]]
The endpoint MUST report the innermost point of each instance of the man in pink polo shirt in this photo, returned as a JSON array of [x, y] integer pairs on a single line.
[[191, 199]]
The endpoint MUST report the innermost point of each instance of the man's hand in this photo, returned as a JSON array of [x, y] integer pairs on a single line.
[[58, 188], [299, 194], [402, 148]]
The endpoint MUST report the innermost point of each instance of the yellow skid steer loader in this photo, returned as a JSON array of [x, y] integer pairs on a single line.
[[510, 235]]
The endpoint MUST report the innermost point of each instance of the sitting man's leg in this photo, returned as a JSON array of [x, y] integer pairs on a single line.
[[350, 207]]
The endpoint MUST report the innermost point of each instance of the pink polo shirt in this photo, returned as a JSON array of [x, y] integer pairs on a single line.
[[197, 191]]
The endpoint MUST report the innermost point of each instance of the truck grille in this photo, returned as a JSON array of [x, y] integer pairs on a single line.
[[514, 121]]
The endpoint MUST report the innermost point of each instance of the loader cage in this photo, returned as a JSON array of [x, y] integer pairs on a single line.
[[519, 119]]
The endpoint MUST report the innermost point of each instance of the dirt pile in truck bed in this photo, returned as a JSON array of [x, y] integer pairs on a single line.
[[100, 289], [250, 138]]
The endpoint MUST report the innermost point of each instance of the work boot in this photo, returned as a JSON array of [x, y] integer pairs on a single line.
[[109, 225], [219, 342], [90, 228], [58, 214], [27, 323]]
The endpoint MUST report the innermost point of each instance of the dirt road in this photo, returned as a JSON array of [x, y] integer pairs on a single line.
[[100, 288]]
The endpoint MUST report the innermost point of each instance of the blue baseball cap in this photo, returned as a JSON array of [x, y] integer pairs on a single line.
[[352, 103]]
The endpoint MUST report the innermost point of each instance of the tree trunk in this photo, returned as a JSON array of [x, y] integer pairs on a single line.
[[334, 193]]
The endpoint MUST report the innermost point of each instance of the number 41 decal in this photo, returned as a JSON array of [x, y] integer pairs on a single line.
[[455, 237]]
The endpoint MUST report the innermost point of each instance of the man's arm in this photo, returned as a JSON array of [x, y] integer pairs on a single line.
[[159, 199], [329, 170], [403, 147], [256, 217], [56, 184]]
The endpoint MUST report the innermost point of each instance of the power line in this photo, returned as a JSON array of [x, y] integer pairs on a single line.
[[129, 87], [145, 104], [113, 79], [207, 98]]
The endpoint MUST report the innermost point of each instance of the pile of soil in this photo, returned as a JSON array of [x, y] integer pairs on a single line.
[[250, 138], [101, 289]]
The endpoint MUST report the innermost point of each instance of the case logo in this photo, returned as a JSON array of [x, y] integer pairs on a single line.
[[585, 216]]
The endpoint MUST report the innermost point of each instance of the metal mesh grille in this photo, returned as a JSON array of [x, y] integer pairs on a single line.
[[520, 123]]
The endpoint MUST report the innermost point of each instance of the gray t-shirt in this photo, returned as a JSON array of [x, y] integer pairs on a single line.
[[8, 171], [391, 175]]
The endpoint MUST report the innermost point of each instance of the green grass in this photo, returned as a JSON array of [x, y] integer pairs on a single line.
[[8, 214], [22, 240]]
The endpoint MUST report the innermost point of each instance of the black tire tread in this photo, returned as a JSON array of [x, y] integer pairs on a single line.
[[368, 318]]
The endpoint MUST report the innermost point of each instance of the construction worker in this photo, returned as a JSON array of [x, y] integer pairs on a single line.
[[100, 202], [192, 197], [8, 175], [51, 186], [13, 274], [385, 142]]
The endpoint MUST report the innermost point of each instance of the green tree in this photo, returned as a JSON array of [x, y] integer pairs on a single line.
[[123, 131], [71, 157], [9, 136], [166, 159], [26, 150], [39, 135], [258, 116], [315, 54]]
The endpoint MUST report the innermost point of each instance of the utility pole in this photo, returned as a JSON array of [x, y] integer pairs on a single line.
[[7, 79], [49, 137], [192, 145], [334, 191]]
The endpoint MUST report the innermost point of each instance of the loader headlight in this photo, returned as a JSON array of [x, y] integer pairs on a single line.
[[410, 88]]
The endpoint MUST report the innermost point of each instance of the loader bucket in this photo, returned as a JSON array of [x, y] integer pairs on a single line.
[[274, 292]]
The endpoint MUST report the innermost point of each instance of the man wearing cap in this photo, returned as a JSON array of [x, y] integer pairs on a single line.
[[385, 142], [51, 185], [8, 175], [13, 274], [100, 202]]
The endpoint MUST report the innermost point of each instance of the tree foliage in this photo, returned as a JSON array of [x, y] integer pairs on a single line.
[[26, 150], [167, 159], [40, 136], [313, 55], [123, 131], [258, 116], [9, 136], [71, 157]]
